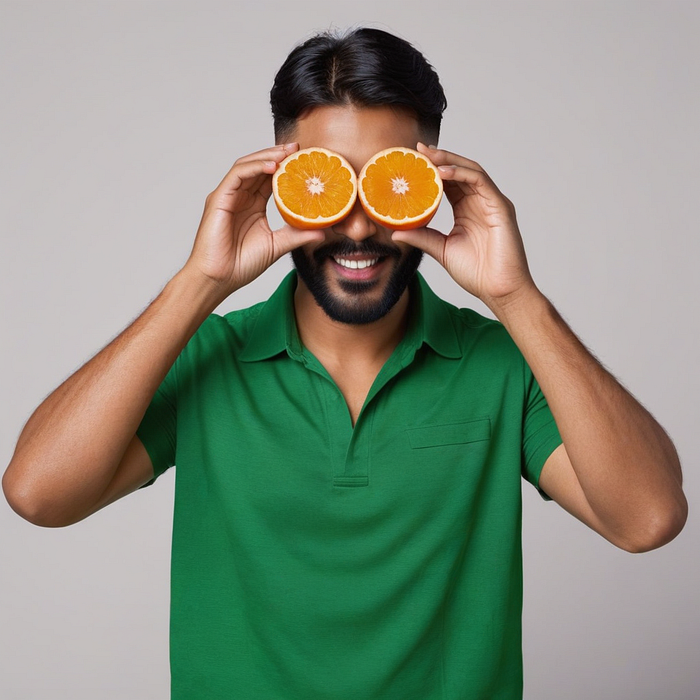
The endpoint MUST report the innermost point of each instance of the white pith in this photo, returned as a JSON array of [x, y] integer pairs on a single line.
[[356, 264], [399, 185], [315, 185]]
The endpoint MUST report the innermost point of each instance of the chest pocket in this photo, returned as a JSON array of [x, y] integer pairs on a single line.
[[449, 434]]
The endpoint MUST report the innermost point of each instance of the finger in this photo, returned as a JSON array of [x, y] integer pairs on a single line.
[[465, 182], [250, 175], [428, 240], [287, 238], [461, 176], [277, 153], [454, 191], [442, 157], [476, 181], [272, 155]]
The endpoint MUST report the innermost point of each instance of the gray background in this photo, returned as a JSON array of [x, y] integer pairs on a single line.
[[119, 118]]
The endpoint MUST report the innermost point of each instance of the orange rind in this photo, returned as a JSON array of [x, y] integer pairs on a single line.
[[314, 188], [400, 188]]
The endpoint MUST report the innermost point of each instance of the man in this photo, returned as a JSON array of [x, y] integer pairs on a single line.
[[349, 453]]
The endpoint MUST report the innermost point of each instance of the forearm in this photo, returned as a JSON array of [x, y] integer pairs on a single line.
[[71, 446], [618, 471], [72, 453], [625, 463]]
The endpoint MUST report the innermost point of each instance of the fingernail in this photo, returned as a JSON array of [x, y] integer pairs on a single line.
[[433, 147], [289, 145], [446, 168]]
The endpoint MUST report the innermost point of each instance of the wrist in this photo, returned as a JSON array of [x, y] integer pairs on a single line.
[[197, 292], [520, 305]]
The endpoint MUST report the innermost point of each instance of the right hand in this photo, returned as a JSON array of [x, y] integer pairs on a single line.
[[234, 242]]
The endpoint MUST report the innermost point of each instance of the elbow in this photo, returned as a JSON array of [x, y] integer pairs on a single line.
[[659, 528], [26, 503], [22, 504]]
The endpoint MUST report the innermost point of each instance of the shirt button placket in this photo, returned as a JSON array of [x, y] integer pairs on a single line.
[[349, 467]]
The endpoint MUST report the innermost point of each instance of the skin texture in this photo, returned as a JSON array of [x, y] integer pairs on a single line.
[[617, 471]]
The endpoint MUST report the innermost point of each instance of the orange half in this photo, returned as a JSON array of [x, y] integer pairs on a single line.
[[400, 188], [314, 188]]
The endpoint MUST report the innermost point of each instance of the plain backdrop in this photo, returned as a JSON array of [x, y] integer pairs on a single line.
[[118, 118]]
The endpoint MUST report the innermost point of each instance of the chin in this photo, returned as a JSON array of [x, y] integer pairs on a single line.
[[358, 302]]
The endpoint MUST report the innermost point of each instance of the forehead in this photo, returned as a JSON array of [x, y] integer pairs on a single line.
[[356, 132]]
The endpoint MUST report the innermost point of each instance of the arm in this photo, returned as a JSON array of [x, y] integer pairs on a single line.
[[617, 470], [75, 442], [78, 451]]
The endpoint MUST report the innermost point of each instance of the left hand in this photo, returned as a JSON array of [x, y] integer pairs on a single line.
[[484, 252]]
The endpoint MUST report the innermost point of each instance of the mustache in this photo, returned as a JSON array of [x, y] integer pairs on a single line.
[[340, 249]]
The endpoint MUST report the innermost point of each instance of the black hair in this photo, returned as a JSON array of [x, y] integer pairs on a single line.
[[363, 67]]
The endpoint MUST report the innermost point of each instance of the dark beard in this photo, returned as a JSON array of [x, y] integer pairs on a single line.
[[359, 310]]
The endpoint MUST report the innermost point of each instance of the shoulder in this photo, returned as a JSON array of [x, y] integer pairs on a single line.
[[474, 329], [232, 329], [467, 319]]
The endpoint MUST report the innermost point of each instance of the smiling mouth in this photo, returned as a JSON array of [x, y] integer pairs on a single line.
[[354, 264]]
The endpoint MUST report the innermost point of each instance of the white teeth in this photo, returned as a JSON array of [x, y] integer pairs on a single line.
[[356, 264]]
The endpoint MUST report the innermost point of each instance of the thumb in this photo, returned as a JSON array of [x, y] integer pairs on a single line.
[[288, 238], [428, 240]]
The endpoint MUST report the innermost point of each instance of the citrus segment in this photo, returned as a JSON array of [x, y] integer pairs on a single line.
[[400, 188], [314, 188]]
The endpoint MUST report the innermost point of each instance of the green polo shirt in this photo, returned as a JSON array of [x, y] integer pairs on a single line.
[[313, 560]]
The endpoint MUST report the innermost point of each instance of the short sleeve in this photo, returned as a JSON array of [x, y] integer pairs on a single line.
[[158, 428], [540, 433]]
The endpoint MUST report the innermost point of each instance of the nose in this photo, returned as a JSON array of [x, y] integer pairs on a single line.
[[356, 225]]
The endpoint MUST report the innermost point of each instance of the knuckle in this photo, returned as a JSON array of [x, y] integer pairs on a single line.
[[211, 199]]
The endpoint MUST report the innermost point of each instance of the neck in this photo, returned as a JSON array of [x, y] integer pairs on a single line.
[[335, 342]]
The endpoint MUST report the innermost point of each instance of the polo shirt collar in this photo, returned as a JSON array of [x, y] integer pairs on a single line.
[[433, 320], [275, 330]]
